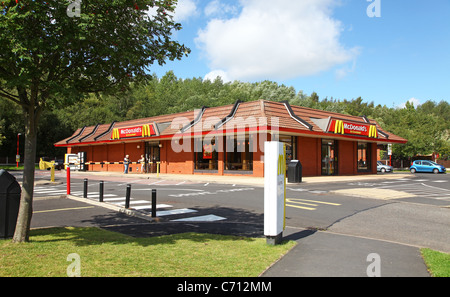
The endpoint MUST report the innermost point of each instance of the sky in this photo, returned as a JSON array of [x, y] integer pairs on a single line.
[[385, 51]]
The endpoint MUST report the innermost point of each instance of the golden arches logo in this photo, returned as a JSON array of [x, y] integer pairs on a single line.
[[115, 134], [146, 131], [373, 132], [282, 162], [339, 127]]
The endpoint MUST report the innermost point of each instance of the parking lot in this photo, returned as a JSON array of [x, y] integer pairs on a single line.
[[184, 205]]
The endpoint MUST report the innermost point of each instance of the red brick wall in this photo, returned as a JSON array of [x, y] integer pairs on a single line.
[[309, 153], [347, 157], [374, 158], [173, 162]]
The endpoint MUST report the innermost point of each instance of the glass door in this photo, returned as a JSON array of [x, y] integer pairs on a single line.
[[152, 155], [329, 157]]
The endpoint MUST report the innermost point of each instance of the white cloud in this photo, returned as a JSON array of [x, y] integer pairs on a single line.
[[215, 73], [414, 101], [342, 72], [217, 8], [275, 40], [184, 10]]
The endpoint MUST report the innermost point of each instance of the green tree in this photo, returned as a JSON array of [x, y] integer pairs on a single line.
[[48, 58]]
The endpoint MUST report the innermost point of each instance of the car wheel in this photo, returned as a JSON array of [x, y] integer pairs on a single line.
[[383, 170], [413, 170], [435, 171]]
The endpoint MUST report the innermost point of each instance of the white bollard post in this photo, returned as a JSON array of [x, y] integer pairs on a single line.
[[274, 191]]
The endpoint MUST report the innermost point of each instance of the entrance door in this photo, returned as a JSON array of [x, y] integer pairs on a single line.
[[329, 157], [152, 151]]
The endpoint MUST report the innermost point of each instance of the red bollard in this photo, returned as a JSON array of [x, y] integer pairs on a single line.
[[68, 180]]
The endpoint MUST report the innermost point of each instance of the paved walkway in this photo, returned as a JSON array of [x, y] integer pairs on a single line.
[[325, 254], [241, 180]]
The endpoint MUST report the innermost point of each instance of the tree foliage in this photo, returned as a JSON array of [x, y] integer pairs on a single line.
[[49, 59]]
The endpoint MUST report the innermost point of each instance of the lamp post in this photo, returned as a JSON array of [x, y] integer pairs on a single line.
[[17, 155]]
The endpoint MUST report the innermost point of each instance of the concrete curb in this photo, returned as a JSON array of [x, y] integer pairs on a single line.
[[129, 212]]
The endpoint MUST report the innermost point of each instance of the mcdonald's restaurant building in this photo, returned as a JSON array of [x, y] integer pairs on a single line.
[[229, 140]]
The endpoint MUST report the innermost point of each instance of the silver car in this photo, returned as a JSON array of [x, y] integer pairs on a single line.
[[384, 168]]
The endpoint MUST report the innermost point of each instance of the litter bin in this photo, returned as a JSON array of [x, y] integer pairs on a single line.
[[295, 171], [9, 204]]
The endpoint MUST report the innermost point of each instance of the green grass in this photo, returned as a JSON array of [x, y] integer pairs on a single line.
[[14, 167], [438, 263], [104, 253]]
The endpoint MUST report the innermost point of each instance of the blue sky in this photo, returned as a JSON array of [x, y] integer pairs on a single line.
[[331, 47]]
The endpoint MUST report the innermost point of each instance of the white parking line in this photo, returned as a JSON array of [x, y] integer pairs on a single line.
[[155, 183]]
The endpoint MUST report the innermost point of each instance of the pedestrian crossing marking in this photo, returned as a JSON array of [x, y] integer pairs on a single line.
[[138, 205], [174, 212], [150, 206], [131, 202], [113, 199], [207, 218]]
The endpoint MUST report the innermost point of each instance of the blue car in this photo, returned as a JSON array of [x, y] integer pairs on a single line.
[[426, 166]]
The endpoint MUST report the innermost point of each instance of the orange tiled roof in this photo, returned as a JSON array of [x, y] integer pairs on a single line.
[[255, 115]]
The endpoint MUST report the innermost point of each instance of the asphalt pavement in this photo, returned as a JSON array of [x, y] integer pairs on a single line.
[[317, 253]]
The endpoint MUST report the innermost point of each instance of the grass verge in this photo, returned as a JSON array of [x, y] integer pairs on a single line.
[[108, 254], [438, 263], [14, 168]]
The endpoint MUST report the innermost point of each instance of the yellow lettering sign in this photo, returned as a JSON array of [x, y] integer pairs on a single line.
[[373, 132], [116, 134], [339, 127]]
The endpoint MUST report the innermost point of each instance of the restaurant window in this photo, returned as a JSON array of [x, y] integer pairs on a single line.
[[239, 153], [205, 154], [291, 147], [363, 157]]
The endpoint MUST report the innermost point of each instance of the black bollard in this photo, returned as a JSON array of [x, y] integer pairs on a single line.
[[153, 203], [100, 198], [127, 197], [85, 188]]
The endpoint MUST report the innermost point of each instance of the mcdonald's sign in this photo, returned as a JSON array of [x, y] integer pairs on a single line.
[[349, 128], [115, 134], [147, 131], [139, 131], [339, 127], [373, 132]]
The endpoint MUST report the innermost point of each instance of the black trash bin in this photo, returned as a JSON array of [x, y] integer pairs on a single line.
[[9, 204], [295, 171]]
